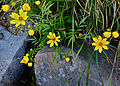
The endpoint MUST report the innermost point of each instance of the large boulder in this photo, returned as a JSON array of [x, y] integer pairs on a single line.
[[12, 48], [49, 73]]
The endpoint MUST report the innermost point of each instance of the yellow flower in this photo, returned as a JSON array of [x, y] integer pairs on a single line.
[[28, 26], [50, 11], [25, 60], [37, 2], [67, 59], [26, 7], [19, 19], [5, 8], [36, 23], [53, 40], [63, 56], [80, 34], [115, 34], [31, 49], [13, 3], [100, 43], [31, 32], [107, 34], [30, 64]]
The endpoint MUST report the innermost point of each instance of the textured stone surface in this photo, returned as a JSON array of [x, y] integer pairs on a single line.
[[49, 74], [12, 47], [1, 36]]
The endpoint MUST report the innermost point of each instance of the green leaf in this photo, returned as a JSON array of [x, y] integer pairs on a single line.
[[81, 76], [83, 20], [69, 41], [79, 51]]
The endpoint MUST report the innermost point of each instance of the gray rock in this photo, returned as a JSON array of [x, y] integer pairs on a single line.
[[58, 72], [12, 48], [1, 36]]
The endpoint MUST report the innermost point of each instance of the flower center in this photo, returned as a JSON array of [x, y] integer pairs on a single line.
[[100, 43], [54, 39], [21, 18]]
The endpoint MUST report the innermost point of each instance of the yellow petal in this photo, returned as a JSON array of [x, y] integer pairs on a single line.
[[15, 16], [54, 35], [104, 40], [94, 44], [50, 33], [21, 61], [100, 50], [50, 37], [24, 15], [57, 40], [23, 23], [96, 48], [95, 39], [50, 41], [106, 43], [105, 47], [58, 37], [51, 44], [56, 43], [17, 24], [99, 38], [21, 12], [13, 21]]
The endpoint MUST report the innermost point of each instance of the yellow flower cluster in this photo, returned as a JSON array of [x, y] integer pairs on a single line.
[[20, 19], [25, 60], [115, 34]]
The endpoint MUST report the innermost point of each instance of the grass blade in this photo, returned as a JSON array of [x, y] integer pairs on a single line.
[[88, 71]]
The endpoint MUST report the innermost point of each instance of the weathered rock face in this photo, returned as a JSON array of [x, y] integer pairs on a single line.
[[11, 49], [55, 74]]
